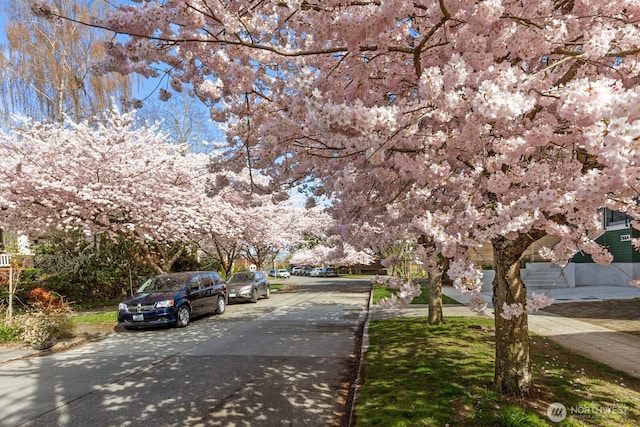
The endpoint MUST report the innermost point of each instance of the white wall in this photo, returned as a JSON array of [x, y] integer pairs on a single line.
[[616, 274], [582, 274]]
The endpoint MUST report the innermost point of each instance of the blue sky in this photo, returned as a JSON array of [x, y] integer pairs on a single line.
[[3, 21], [144, 91]]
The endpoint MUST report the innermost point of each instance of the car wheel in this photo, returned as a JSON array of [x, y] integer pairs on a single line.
[[267, 294], [254, 295], [184, 315], [222, 305]]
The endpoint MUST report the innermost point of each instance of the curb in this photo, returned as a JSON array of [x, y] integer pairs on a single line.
[[362, 359]]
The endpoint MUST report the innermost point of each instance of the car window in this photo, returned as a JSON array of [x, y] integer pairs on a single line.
[[196, 283], [207, 280], [242, 276], [163, 284]]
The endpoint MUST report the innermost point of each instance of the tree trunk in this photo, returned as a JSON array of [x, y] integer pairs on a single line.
[[436, 316], [436, 281], [513, 363], [162, 259]]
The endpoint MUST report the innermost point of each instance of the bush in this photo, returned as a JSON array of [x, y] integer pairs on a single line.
[[29, 275], [47, 319], [40, 327]]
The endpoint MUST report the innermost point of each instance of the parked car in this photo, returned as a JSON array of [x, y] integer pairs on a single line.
[[174, 299], [307, 271], [328, 272], [248, 286], [297, 271], [324, 272], [283, 272]]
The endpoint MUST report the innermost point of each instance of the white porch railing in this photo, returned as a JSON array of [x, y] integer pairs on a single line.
[[4, 263]]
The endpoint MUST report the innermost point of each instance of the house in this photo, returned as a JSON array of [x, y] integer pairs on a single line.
[[581, 270], [617, 235], [12, 242]]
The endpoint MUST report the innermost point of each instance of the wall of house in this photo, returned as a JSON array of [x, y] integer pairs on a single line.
[[619, 244], [487, 280], [591, 274], [582, 274], [582, 271]]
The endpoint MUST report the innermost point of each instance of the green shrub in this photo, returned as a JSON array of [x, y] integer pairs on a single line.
[[8, 333], [29, 275]]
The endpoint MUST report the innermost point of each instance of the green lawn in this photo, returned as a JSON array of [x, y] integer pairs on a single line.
[[422, 375], [382, 291], [110, 316]]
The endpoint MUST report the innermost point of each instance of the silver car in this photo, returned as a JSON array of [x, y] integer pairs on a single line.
[[248, 286]]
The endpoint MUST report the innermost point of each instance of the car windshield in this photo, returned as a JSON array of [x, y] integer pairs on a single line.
[[163, 284], [244, 276]]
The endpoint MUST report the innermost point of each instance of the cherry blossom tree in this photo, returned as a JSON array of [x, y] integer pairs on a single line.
[[259, 228], [273, 229], [334, 253], [109, 179], [469, 122], [258, 224], [222, 250]]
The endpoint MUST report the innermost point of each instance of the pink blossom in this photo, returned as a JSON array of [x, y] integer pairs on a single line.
[[537, 302], [477, 303], [406, 292], [509, 311]]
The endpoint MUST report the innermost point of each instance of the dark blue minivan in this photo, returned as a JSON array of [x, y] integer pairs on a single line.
[[173, 299]]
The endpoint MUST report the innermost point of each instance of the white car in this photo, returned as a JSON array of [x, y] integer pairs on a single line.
[[284, 273], [315, 272]]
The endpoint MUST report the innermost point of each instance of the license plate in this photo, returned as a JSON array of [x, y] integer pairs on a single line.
[[138, 317], [232, 295]]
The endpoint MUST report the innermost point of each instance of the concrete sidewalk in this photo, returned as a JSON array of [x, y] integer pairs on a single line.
[[16, 351], [619, 350]]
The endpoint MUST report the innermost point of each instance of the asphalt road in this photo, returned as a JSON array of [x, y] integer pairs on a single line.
[[281, 362]]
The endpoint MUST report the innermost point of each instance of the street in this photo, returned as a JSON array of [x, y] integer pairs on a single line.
[[282, 361]]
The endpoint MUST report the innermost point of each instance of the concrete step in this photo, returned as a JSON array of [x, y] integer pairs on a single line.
[[545, 281], [535, 276], [544, 276], [546, 285]]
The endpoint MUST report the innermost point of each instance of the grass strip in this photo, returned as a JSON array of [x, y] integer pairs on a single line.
[[382, 291], [110, 316], [422, 375]]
